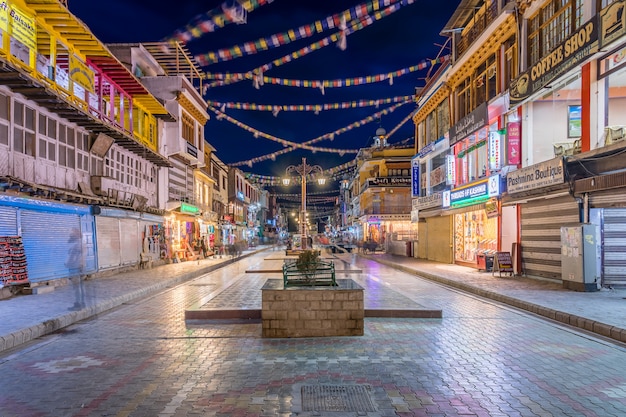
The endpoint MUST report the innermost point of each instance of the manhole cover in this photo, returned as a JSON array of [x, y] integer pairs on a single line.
[[354, 398]]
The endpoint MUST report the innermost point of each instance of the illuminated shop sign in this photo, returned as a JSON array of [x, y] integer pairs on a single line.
[[567, 55], [469, 124], [540, 175], [240, 196], [474, 193], [429, 201], [415, 177], [388, 181], [188, 208]]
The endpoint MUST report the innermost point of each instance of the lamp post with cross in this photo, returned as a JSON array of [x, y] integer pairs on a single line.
[[304, 170]]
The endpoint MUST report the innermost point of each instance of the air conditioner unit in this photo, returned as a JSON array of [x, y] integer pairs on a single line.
[[100, 185]]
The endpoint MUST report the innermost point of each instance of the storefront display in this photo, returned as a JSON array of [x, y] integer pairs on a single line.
[[474, 233]]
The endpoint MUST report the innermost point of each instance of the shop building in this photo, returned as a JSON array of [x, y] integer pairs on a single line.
[[461, 138], [79, 143], [183, 187], [383, 190], [571, 121]]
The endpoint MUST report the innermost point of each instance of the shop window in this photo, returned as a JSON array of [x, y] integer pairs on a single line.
[[471, 159], [474, 234]]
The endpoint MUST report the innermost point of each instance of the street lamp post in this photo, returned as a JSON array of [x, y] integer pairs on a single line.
[[303, 170]]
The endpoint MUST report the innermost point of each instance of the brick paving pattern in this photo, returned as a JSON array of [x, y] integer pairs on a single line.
[[483, 358]]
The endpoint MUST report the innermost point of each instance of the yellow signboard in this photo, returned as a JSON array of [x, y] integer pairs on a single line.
[[23, 28], [4, 16], [80, 73]]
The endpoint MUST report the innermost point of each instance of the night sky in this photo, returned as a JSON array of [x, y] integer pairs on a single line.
[[403, 39]]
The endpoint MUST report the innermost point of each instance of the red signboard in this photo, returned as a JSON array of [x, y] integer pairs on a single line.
[[514, 148]]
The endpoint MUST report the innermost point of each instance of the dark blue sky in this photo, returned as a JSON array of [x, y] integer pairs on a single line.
[[398, 41]]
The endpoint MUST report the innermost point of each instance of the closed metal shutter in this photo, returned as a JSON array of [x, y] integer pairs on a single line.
[[108, 241], [8, 221], [130, 241], [614, 247], [46, 243], [541, 234]]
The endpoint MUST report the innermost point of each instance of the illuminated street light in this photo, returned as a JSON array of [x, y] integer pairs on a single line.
[[303, 170]]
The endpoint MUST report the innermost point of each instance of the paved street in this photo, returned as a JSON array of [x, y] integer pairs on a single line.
[[482, 359]]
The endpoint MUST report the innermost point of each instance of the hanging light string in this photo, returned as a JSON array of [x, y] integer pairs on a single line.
[[306, 145], [333, 173], [226, 13], [276, 40], [256, 74], [276, 108], [338, 83], [399, 125], [273, 155]]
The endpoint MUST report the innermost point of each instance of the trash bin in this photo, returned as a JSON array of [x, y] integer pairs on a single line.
[[485, 262], [409, 249]]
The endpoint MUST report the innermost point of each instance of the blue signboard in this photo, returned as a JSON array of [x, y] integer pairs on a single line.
[[415, 177]]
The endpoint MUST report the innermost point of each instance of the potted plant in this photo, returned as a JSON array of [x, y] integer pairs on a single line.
[[307, 263]]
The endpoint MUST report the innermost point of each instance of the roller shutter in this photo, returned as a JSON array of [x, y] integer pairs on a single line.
[[46, 243], [108, 238], [614, 247], [541, 234], [8, 221]]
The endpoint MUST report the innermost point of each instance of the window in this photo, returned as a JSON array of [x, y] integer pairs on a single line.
[[485, 80], [188, 129], [67, 141], [5, 109], [464, 97], [47, 136], [552, 25], [82, 151], [23, 129], [510, 61]]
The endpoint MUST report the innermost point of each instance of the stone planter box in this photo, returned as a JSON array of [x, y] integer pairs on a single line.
[[312, 311]]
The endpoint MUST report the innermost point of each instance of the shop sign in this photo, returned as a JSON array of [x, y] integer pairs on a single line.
[[612, 23], [388, 181], [415, 177], [80, 73], [4, 16], [415, 216], [23, 27], [494, 151], [188, 208], [433, 148], [568, 54], [469, 124], [377, 219], [451, 173], [491, 208], [475, 192], [438, 175], [536, 176], [240, 196], [514, 141], [429, 201]]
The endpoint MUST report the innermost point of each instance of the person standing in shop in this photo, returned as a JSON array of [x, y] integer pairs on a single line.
[[75, 265]]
